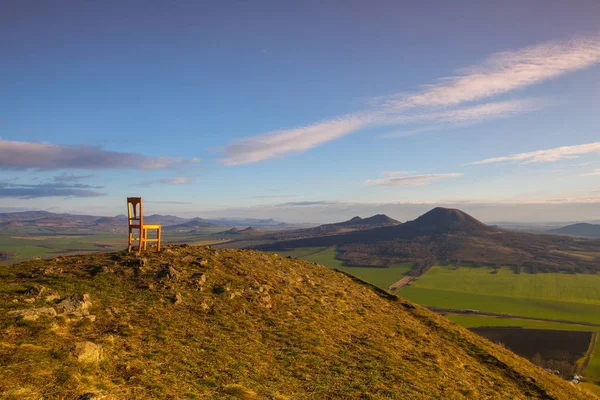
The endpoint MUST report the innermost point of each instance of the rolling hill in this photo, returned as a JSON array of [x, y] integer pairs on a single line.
[[451, 235], [354, 224], [196, 322], [191, 226], [581, 229]]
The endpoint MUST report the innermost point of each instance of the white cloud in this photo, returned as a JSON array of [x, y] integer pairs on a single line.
[[548, 155], [178, 180], [500, 73], [594, 172], [277, 143], [401, 178], [506, 71], [48, 156]]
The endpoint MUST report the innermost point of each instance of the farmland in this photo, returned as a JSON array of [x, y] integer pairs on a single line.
[[539, 345], [473, 321], [25, 247], [575, 288], [382, 277]]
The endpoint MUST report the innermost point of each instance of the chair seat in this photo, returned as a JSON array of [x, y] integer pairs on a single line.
[[148, 226]]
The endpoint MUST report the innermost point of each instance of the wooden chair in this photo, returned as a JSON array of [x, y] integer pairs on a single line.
[[135, 218]]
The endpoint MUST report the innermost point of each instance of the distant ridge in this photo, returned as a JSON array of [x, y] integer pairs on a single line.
[[582, 229], [190, 226], [351, 225], [454, 236]]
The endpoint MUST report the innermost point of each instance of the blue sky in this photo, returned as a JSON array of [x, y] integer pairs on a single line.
[[314, 111]]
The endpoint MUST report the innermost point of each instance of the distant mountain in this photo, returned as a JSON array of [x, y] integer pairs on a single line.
[[236, 233], [164, 220], [246, 222], [191, 226], [454, 236], [354, 224], [581, 229]]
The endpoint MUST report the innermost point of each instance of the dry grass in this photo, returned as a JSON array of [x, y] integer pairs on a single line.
[[249, 325]]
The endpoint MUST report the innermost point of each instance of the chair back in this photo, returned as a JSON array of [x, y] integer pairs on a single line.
[[134, 212]]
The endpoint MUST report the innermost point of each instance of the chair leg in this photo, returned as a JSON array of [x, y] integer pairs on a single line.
[[158, 241], [141, 242], [130, 240]]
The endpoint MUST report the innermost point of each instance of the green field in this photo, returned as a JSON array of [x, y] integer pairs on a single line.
[[474, 321], [575, 288], [593, 369], [382, 277], [25, 247], [558, 310]]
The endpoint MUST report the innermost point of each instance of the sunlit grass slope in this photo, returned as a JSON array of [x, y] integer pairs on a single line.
[[202, 323]]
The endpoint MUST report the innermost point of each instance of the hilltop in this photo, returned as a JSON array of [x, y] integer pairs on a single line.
[[444, 234], [581, 229], [354, 224], [195, 322]]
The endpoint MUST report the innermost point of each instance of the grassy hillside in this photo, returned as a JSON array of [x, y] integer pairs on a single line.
[[215, 324]]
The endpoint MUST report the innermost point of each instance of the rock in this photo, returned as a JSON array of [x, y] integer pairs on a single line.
[[77, 305], [90, 318], [39, 291], [169, 272], [177, 299], [87, 352], [52, 297], [33, 314], [200, 278], [36, 290], [90, 396]]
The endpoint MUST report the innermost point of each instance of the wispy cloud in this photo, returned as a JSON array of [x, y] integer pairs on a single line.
[[593, 173], [271, 196], [71, 178], [178, 180], [463, 116], [505, 71], [26, 191], [402, 178], [498, 74], [168, 202], [548, 155], [47, 156], [275, 144]]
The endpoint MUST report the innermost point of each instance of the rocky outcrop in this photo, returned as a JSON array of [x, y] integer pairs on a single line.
[[75, 306], [33, 314]]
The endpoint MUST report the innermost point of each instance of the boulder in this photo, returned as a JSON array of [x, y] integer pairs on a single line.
[[169, 272], [177, 299], [75, 304], [33, 314], [87, 352]]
